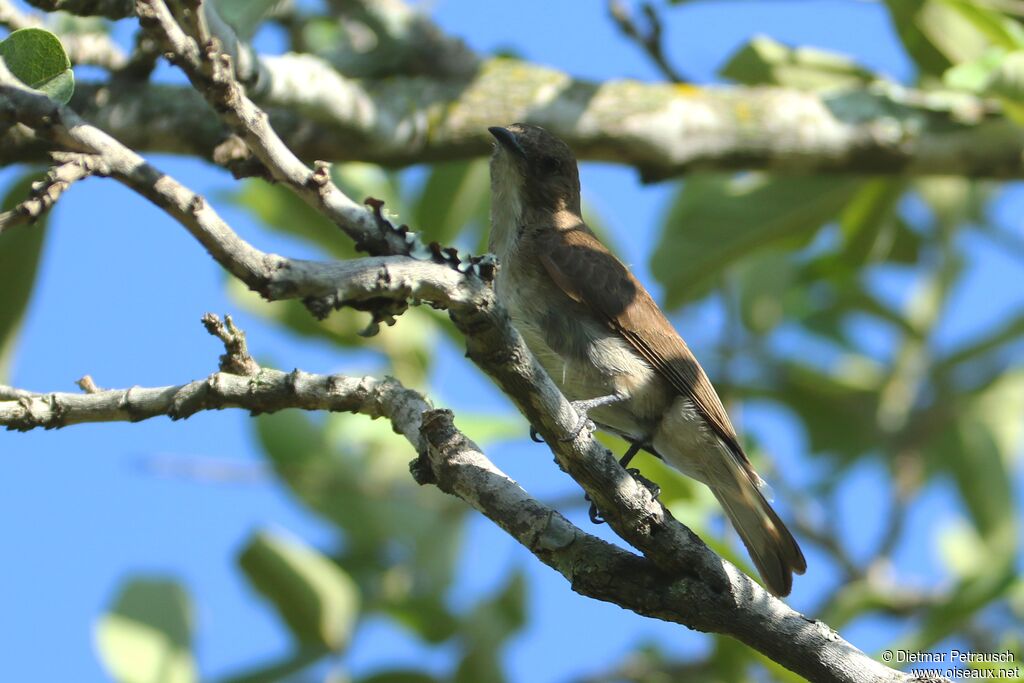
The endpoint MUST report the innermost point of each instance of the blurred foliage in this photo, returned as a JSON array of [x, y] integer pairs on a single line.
[[802, 270], [146, 636], [19, 259]]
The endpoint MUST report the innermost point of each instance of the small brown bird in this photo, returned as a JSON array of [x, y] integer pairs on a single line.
[[608, 346]]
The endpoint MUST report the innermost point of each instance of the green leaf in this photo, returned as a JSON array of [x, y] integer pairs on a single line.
[[716, 220], [402, 542], [955, 200], [966, 599], [970, 452], [1007, 83], [997, 28], [999, 408], [999, 74], [939, 34], [400, 676], [279, 669], [361, 180], [764, 61], [488, 428], [281, 210], [314, 596], [974, 76], [486, 629], [837, 410], [20, 249], [36, 58], [427, 616], [146, 635], [245, 15], [866, 223], [455, 196], [764, 280], [355, 474], [992, 340]]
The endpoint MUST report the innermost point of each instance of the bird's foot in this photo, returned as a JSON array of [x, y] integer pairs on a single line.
[[653, 488], [534, 436], [583, 423], [583, 409]]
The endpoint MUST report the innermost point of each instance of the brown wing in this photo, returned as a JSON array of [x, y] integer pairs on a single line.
[[587, 272]]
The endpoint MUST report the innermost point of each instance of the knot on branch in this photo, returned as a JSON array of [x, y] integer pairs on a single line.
[[236, 360], [381, 309], [440, 437], [27, 420], [87, 384], [234, 155]]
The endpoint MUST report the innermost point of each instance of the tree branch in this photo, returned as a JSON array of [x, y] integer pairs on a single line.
[[111, 9], [46, 192], [455, 464], [682, 579], [662, 130], [493, 344], [405, 42]]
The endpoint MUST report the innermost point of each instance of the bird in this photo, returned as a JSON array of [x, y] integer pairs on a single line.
[[604, 341]]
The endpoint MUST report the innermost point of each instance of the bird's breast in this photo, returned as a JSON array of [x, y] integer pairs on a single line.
[[581, 353]]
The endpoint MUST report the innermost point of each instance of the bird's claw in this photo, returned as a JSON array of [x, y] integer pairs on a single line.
[[651, 487], [593, 512], [584, 423], [534, 436], [654, 489]]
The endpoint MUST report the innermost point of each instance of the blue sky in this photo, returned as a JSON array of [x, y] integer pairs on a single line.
[[120, 295]]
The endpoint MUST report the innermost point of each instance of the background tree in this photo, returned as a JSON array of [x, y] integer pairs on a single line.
[[852, 293]]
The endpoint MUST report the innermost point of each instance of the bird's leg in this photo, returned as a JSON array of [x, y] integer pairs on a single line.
[[583, 408], [634, 448]]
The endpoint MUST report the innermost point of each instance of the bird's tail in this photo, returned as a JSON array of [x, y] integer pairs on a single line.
[[772, 547]]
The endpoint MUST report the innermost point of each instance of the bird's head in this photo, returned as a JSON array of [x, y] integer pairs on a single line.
[[532, 166]]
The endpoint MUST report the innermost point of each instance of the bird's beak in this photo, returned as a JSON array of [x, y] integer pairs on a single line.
[[508, 140]]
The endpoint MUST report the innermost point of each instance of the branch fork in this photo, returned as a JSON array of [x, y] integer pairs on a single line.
[[677, 578]]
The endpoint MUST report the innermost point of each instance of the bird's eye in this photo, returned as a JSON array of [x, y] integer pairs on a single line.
[[549, 164]]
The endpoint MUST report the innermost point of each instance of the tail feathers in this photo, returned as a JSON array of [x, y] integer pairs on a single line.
[[772, 547]]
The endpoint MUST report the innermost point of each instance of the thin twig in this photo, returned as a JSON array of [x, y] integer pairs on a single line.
[[649, 40], [211, 72], [45, 193]]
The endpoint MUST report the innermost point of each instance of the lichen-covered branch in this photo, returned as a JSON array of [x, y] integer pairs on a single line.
[[661, 129]]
